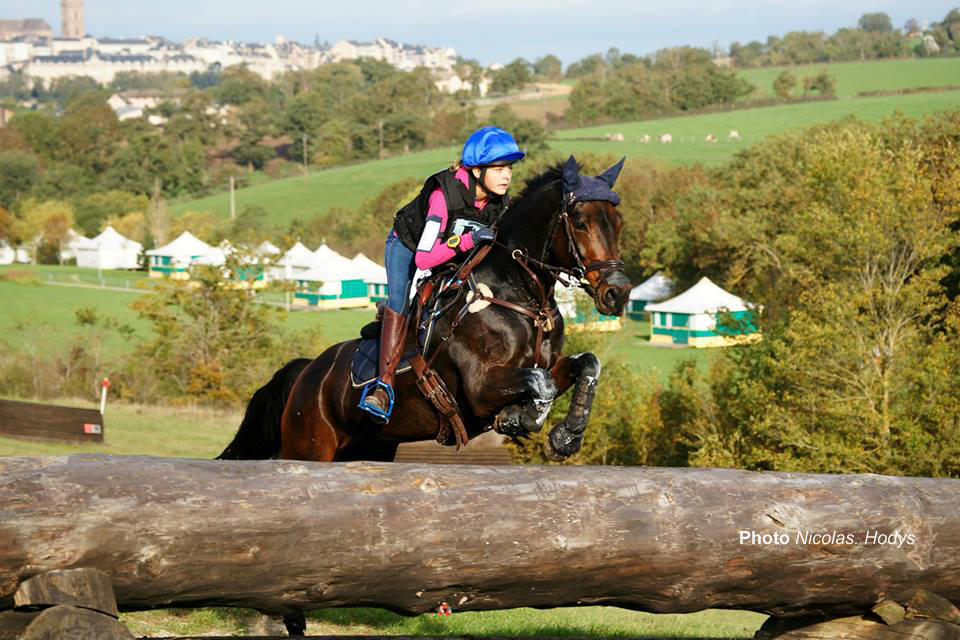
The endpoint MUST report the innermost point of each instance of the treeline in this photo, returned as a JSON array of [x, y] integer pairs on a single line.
[[846, 237], [874, 38], [102, 169]]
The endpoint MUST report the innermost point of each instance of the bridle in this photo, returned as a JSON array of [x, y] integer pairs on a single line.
[[570, 276]]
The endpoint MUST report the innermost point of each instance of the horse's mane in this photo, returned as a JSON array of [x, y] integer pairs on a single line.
[[521, 202]]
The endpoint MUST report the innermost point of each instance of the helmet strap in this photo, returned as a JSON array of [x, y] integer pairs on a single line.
[[481, 181]]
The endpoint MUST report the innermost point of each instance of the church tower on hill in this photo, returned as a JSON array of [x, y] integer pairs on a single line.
[[71, 13]]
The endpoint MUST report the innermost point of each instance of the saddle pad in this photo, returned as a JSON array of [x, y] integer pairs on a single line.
[[363, 367]]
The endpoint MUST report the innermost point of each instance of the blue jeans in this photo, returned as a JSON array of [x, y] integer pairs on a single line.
[[398, 260]]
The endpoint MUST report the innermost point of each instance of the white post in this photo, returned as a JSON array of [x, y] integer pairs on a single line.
[[104, 385], [233, 200], [288, 269]]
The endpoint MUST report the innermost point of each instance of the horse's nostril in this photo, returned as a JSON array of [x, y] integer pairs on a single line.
[[610, 297]]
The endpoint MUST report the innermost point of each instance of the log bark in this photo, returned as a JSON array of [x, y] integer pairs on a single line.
[[61, 622], [87, 588], [282, 535], [860, 628]]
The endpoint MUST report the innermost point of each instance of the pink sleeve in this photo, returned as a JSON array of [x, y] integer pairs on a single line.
[[440, 253]]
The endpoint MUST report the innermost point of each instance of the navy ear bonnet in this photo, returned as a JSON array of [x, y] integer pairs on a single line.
[[577, 188]]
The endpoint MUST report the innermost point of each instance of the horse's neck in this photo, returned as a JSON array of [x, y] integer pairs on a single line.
[[531, 236]]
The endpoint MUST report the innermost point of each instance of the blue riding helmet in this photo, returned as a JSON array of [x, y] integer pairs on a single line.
[[490, 146]]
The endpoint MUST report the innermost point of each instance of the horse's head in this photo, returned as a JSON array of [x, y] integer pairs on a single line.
[[586, 239]]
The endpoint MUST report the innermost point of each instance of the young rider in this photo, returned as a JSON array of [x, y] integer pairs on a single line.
[[451, 215]]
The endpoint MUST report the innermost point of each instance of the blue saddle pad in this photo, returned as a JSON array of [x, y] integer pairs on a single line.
[[363, 369]]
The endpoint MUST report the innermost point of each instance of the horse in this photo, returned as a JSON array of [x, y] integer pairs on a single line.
[[502, 361]]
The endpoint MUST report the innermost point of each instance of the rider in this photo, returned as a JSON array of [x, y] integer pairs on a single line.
[[451, 215]]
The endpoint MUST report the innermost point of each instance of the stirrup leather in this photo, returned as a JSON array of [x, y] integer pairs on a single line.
[[375, 411]]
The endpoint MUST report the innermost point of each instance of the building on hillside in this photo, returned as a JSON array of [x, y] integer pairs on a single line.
[[656, 287], [109, 250], [71, 16], [174, 259], [702, 316], [580, 313], [26, 29]]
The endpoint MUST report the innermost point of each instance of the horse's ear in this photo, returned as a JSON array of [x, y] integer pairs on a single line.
[[610, 175], [571, 175]]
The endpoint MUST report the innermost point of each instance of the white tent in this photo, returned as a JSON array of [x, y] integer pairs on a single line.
[[175, 258], [267, 249], [656, 287], [109, 250], [372, 272], [703, 297], [74, 243], [9, 255], [324, 253], [691, 317]]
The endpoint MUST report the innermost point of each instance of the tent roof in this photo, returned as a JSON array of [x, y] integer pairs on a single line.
[[298, 256], [656, 287], [372, 272], [703, 297], [268, 248], [186, 244], [331, 271], [110, 238]]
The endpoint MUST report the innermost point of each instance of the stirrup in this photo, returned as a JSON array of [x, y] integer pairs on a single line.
[[372, 410]]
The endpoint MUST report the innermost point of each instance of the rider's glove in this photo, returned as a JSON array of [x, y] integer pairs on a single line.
[[482, 235]]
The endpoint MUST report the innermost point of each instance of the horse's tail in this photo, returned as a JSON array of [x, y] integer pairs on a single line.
[[259, 434]]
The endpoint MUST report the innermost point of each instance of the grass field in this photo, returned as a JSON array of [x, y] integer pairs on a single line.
[[753, 125], [40, 312], [290, 198], [874, 75]]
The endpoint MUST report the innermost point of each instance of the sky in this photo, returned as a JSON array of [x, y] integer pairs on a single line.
[[486, 30]]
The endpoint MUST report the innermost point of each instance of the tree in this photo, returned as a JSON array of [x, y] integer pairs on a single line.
[[823, 83], [93, 211], [548, 68], [515, 75], [878, 22], [50, 221], [784, 83], [529, 134], [19, 172]]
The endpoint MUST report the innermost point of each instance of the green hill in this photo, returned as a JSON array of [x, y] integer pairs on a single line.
[[875, 75], [290, 198]]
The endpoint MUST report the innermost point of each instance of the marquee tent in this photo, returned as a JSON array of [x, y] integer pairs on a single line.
[[109, 250], [702, 316]]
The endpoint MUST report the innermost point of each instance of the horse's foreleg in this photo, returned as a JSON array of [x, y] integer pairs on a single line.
[[580, 371], [525, 395]]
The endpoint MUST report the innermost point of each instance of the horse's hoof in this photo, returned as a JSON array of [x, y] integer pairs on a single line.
[[561, 443]]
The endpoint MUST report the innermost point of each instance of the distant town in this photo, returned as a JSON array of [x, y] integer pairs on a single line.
[[30, 47]]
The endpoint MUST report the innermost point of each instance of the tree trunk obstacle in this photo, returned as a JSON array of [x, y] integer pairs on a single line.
[[280, 536]]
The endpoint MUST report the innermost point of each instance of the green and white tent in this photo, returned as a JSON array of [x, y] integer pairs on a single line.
[[702, 316], [334, 282], [656, 287], [173, 260]]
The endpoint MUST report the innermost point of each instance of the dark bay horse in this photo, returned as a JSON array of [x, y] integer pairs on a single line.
[[560, 223]]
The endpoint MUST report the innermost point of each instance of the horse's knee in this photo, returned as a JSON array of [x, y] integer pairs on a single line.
[[587, 364], [529, 415]]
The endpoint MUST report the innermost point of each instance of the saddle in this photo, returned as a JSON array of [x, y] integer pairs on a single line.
[[437, 295]]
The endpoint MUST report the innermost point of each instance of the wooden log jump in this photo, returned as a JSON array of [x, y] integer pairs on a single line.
[[33, 421], [282, 535]]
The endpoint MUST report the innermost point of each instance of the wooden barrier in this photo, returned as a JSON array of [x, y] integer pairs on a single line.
[[282, 535], [33, 421]]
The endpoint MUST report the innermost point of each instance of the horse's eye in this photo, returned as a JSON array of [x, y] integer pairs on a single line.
[[579, 224]]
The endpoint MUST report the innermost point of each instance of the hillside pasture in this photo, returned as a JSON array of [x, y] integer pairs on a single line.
[[689, 133], [855, 77], [346, 187]]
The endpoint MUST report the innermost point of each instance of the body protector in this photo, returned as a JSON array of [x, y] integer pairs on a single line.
[[462, 216]]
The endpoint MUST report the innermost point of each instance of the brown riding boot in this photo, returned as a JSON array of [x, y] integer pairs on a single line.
[[378, 403]]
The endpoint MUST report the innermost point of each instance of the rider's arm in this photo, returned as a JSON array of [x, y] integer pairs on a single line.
[[432, 250]]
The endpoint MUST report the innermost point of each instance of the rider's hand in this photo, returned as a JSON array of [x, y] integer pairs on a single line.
[[482, 235]]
